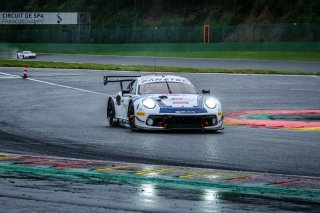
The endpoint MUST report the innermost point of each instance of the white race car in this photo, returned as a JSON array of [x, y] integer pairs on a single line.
[[25, 54], [162, 103]]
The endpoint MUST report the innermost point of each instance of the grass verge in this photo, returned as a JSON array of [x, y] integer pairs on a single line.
[[62, 65], [302, 51]]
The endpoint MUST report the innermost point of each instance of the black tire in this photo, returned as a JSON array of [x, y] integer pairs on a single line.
[[111, 114], [213, 131], [131, 117]]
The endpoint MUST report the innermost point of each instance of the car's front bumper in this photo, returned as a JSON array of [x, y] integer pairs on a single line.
[[180, 122]]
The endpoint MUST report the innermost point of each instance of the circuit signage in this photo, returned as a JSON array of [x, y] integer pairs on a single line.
[[38, 18]]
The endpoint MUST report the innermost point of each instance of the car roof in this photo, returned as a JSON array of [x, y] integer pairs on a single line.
[[162, 78]]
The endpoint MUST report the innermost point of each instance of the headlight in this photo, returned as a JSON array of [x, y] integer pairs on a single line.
[[149, 103], [211, 103]]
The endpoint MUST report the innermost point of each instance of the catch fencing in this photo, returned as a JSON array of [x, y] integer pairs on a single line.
[[284, 32]]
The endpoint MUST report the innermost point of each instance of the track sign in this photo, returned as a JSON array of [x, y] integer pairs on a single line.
[[38, 18]]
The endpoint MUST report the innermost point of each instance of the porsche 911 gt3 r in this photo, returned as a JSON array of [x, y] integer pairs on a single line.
[[25, 54], [162, 103]]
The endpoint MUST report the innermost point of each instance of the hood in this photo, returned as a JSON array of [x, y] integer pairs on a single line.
[[179, 100]]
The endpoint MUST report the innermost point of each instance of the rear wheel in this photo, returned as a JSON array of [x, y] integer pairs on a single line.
[[111, 114]]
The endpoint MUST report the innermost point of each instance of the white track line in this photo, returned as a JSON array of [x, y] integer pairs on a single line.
[[57, 85], [63, 86], [9, 75]]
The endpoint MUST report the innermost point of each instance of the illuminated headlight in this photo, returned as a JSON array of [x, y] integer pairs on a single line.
[[210, 103], [149, 103]]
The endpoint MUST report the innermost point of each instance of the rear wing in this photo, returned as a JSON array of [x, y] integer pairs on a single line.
[[119, 78]]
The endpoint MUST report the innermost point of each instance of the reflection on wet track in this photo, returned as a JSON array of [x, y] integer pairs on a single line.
[[148, 177]]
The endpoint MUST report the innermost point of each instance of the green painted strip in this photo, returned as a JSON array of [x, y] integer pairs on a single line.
[[93, 176], [257, 116]]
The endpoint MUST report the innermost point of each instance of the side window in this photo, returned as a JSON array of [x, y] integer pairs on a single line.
[[133, 86]]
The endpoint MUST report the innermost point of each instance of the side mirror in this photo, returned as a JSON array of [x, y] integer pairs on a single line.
[[205, 91]]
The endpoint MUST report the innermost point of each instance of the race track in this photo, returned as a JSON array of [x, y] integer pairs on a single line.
[[74, 121], [62, 113], [304, 66]]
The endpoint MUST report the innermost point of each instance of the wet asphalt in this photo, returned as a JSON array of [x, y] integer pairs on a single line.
[[37, 118], [73, 122], [39, 195]]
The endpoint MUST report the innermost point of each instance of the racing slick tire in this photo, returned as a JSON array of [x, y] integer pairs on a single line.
[[111, 113], [131, 117]]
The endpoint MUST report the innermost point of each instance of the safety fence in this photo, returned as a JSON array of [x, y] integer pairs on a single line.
[[169, 34]]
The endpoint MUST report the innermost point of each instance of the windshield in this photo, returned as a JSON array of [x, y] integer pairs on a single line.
[[166, 88]]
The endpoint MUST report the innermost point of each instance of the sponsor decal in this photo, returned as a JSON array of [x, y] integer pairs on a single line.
[[162, 79], [141, 113], [200, 101], [115, 95], [161, 104], [185, 112], [180, 102]]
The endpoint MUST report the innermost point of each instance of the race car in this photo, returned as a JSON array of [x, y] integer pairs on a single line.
[[25, 54], [162, 102]]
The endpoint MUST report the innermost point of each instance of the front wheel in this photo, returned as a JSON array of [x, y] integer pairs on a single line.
[[131, 117], [111, 114]]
